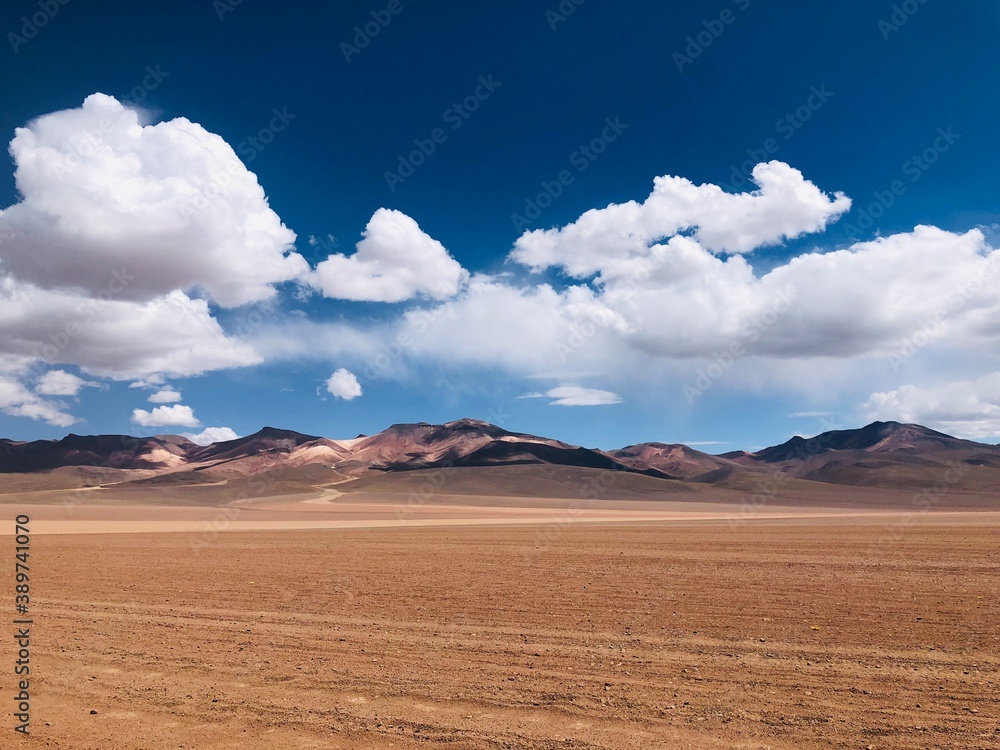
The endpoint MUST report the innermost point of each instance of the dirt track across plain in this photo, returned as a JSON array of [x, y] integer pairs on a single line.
[[781, 634]]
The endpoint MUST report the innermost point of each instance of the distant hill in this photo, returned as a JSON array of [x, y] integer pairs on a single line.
[[677, 460], [878, 437], [111, 451], [882, 454], [886, 454]]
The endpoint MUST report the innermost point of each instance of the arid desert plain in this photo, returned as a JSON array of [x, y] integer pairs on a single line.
[[364, 620]]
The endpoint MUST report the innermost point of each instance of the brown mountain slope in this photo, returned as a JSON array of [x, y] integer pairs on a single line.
[[882, 454], [888, 454], [877, 437], [680, 461], [110, 451], [579, 484]]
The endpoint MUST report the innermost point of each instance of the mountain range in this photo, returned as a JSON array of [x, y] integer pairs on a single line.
[[277, 461]]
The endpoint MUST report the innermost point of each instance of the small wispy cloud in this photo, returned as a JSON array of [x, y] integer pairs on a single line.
[[575, 395]]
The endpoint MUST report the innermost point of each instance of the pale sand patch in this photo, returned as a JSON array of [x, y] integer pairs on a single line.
[[196, 520], [109, 526], [326, 498]]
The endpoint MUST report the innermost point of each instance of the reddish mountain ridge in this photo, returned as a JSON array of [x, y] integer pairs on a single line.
[[679, 460], [465, 442], [882, 454]]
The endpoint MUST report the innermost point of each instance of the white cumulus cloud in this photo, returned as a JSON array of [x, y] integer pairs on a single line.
[[17, 400], [165, 396], [60, 383], [123, 235], [343, 384], [938, 288], [965, 408], [162, 416], [109, 201], [173, 334], [395, 261], [603, 240], [211, 435]]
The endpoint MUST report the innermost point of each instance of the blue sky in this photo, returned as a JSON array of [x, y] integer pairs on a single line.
[[893, 106]]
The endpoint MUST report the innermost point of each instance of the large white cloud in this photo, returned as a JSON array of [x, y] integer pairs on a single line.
[[123, 225], [396, 261], [168, 205], [172, 335], [120, 226], [865, 301], [519, 330], [966, 408], [606, 240], [875, 295]]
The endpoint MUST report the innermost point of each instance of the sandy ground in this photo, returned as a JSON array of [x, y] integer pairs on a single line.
[[847, 631], [203, 524]]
